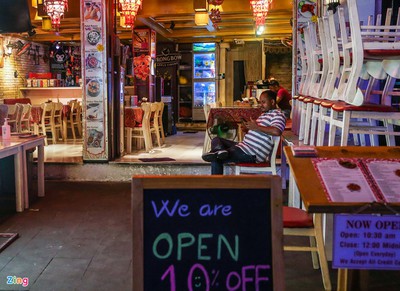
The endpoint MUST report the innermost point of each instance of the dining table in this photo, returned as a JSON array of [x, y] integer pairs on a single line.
[[236, 113], [330, 181], [133, 116], [18, 145]]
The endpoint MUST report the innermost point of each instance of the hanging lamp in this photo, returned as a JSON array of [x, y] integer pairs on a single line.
[[260, 10], [128, 10], [55, 9]]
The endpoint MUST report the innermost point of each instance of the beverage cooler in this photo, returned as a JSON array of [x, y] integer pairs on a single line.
[[204, 84]]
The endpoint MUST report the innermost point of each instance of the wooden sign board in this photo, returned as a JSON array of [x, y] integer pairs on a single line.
[[207, 233]]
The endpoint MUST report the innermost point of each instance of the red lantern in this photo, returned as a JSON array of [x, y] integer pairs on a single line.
[[55, 9], [215, 2], [260, 10], [129, 9]]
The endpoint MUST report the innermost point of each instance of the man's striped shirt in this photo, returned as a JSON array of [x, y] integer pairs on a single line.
[[259, 144]]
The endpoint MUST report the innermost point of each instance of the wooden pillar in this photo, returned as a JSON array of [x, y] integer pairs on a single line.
[[222, 67]]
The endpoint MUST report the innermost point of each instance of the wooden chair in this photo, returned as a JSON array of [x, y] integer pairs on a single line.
[[297, 222], [46, 119], [14, 116], [160, 121], [154, 122], [25, 120], [207, 140], [3, 113], [73, 121], [58, 122], [269, 166], [51, 120], [141, 132]]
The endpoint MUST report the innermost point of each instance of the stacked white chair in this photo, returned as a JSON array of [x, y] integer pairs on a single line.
[[370, 49]]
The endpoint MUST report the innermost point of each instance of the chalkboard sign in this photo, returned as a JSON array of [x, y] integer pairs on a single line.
[[207, 233]]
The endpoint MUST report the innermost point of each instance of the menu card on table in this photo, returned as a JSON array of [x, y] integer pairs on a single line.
[[359, 180]]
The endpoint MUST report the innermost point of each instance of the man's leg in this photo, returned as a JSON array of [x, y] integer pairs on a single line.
[[219, 143], [218, 149], [235, 155]]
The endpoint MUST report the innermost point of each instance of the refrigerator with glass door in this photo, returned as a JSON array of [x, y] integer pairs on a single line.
[[204, 82]]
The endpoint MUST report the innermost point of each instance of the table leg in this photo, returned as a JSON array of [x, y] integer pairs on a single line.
[[40, 167], [19, 181], [283, 167], [128, 140], [294, 194], [342, 280], [64, 129], [25, 179]]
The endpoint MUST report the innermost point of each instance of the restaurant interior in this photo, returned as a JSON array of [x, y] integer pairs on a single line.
[[144, 92], [30, 58]]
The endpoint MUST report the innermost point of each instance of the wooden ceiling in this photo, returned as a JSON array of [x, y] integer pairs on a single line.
[[174, 20]]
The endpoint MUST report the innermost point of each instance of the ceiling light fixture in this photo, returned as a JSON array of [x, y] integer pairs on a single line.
[[260, 10], [129, 10], [260, 29], [55, 9]]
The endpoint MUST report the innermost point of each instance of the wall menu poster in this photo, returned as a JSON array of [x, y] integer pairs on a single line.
[[95, 146], [223, 236]]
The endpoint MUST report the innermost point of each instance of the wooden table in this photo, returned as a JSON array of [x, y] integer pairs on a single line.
[[309, 186], [236, 113], [18, 147], [133, 116]]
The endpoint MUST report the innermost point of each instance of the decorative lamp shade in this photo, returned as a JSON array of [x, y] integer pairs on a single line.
[[128, 10], [55, 9], [201, 18], [260, 10]]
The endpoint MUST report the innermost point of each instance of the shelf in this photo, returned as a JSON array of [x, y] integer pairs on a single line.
[[203, 68], [187, 86], [52, 92], [50, 88], [185, 102]]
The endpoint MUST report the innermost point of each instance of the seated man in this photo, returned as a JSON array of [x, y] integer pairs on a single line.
[[283, 97], [257, 143]]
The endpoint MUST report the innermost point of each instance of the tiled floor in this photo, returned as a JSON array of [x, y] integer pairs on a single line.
[[79, 237], [185, 146]]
